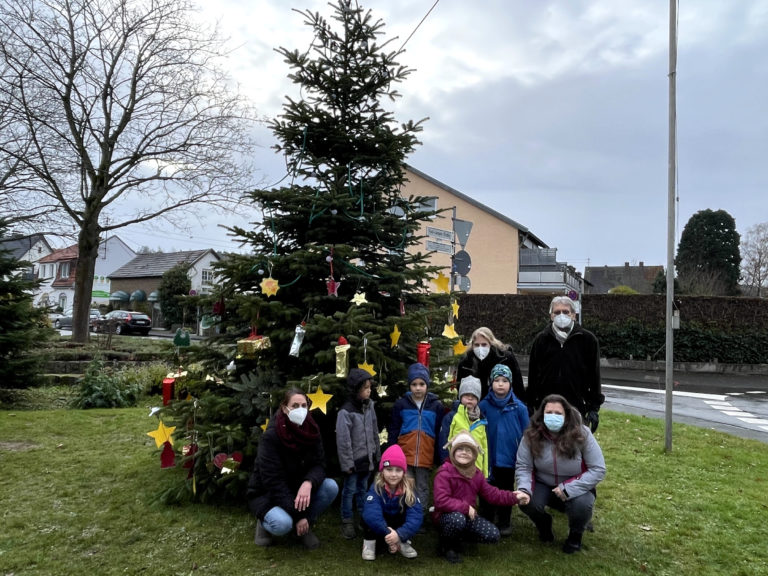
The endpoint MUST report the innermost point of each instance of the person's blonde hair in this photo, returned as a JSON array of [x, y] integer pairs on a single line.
[[486, 333], [407, 491]]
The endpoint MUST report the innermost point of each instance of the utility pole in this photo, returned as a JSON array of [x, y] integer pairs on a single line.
[[671, 189]]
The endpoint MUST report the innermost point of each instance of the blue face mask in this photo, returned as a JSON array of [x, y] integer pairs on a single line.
[[554, 422]]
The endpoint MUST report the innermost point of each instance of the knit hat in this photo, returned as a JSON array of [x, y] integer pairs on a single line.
[[356, 379], [501, 370], [464, 439], [393, 456], [470, 385], [418, 370]]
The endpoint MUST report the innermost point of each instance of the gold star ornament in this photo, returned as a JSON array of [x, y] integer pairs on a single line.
[[162, 434], [459, 348], [441, 282], [320, 399], [368, 368], [359, 299], [269, 286], [455, 307], [449, 331], [394, 336]]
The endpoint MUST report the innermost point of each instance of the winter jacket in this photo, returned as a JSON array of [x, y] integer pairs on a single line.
[[378, 511], [278, 472], [453, 492], [471, 365], [507, 420], [576, 475], [357, 437], [477, 429], [416, 429], [445, 429], [571, 369]]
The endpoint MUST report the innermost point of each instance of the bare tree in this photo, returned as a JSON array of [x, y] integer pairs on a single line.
[[128, 114], [754, 265]]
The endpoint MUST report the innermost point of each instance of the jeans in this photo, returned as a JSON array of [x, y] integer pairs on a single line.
[[353, 492], [578, 509], [279, 522]]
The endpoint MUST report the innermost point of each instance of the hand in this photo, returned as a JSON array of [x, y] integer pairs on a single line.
[[522, 498], [592, 419], [472, 513], [559, 493], [302, 527], [301, 502], [392, 539]]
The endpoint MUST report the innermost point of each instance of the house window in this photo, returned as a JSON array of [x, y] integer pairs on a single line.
[[428, 205], [64, 270], [207, 276]]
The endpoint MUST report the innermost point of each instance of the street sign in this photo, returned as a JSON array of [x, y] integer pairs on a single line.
[[464, 283], [433, 246], [440, 234], [462, 263], [462, 228]]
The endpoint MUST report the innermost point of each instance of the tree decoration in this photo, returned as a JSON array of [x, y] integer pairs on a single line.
[[441, 282], [342, 358], [264, 426], [459, 348], [254, 343], [455, 308], [449, 331], [422, 352], [319, 399], [298, 338], [381, 390], [394, 337], [365, 366], [368, 368], [162, 434], [359, 299], [269, 286], [228, 463], [167, 456], [331, 284]]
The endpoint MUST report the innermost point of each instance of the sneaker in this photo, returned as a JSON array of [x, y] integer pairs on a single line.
[[407, 550], [369, 549], [262, 537], [572, 543], [347, 529], [310, 541]]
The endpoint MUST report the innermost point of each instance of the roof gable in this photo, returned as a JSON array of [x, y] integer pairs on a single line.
[[17, 246], [156, 264]]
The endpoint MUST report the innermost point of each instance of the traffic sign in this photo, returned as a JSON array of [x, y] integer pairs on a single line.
[[462, 263]]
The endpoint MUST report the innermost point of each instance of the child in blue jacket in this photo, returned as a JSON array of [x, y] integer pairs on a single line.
[[507, 419], [391, 513]]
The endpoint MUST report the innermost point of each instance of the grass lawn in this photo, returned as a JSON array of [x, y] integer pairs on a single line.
[[78, 496]]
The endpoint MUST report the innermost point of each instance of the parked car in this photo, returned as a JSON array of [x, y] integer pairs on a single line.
[[124, 322], [65, 319]]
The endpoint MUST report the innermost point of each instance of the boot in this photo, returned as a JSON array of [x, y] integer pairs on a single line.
[[572, 543], [369, 549], [310, 541], [347, 528], [545, 529], [262, 537], [450, 550]]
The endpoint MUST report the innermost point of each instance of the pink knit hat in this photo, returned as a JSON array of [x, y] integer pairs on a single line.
[[393, 456]]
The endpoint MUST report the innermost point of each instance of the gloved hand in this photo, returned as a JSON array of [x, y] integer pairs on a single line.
[[592, 419]]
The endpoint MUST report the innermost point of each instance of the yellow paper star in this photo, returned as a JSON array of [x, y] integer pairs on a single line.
[[269, 286], [459, 348], [394, 336], [162, 434], [368, 368], [441, 282], [320, 399], [264, 426], [449, 332], [359, 299], [455, 307]]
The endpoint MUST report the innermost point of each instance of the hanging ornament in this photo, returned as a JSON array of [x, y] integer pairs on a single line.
[[449, 332], [342, 358], [331, 284], [455, 308], [227, 463], [441, 282], [298, 338], [365, 366], [188, 452], [459, 348], [167, 456], [394, 337], [269, 286], [422, 353], [319, 399], [254, 343], [264, 426], [381, 390], [402, 307], [368, 368], [162, 434], [359, 299]]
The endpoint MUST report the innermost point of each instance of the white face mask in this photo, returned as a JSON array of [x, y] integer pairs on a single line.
[[297, 416], [562, 321], [482, 352]]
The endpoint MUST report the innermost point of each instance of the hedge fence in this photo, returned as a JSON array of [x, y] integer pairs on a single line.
[[632, 326]]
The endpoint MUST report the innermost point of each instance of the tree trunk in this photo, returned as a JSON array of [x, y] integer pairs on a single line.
[[88, 246]]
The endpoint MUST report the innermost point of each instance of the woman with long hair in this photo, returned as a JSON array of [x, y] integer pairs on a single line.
[[486, 351], [559, 463]]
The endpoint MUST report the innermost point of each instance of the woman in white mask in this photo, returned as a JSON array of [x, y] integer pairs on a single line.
[[484, 352], [288, 488], [559, 465]]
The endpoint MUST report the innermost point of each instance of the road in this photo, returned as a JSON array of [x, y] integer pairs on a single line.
[[735, 403]]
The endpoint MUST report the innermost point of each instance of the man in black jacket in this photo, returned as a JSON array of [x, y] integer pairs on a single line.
[[565, 360]]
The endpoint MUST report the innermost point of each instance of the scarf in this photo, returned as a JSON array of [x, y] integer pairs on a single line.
[[296, 437], [473, 414], [561, 335], [499, 402]]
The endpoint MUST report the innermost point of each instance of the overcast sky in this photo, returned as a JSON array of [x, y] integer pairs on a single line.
[[554, 113]]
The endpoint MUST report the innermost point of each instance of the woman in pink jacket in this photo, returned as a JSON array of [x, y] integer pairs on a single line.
[[457, 485]]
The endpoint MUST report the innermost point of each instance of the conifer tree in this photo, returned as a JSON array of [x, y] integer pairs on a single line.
[[335, 255]]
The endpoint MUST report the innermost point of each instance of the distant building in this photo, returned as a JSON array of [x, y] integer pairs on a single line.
[[27, 248], [505, 256], [601, 279]]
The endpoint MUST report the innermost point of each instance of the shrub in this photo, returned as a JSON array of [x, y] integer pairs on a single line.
[[103, 388]]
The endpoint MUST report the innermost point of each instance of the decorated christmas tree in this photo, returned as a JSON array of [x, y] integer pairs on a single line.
[[334, 278]]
